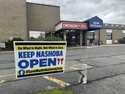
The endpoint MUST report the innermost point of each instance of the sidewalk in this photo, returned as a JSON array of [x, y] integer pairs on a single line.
[[96, 46]]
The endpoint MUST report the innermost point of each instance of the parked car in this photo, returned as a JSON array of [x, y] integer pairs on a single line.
[[122, 40]]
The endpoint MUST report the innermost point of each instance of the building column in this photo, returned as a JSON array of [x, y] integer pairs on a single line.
[[99, 37], [81, 38], [86, 39], [64, 36]]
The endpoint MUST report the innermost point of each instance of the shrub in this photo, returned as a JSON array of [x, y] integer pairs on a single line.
[[53, 38], [9, 43], [47, 38]]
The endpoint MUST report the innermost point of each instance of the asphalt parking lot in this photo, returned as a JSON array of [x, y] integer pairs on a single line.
[[106, 72]]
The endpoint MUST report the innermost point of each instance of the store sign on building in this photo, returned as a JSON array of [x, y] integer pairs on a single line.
[[80, 26], [33, 58], [71, 25], [95, 22]]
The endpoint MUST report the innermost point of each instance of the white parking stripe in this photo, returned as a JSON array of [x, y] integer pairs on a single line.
[[8, 75], [50, 78], [2, 81]]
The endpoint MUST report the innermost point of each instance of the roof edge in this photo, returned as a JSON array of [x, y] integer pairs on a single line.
[[42, 4], [68, 21]]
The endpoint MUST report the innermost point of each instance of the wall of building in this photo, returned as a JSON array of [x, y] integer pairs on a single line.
[[42, 17], [117, 31], [100, 35], [12, 19], [116, 35]]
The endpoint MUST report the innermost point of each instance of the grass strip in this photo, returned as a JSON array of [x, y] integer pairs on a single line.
[[56, 91]]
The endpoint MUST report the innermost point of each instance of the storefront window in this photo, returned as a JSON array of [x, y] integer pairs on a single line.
[[90, 35], [109, 34]]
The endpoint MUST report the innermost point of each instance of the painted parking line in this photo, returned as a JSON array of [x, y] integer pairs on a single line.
[[3, 78], [50, 78], [8, 75], [57, 81], [2, 81]]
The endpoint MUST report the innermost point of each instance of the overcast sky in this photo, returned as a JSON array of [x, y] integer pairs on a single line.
[[110, 11]]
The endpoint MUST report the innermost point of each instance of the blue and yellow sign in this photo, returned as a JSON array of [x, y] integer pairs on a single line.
[[95, 23], [37, 58]]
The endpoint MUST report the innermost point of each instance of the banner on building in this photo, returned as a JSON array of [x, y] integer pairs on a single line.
[[33, 58]]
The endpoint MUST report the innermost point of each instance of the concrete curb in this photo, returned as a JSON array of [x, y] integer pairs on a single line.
[[5, 52], [113, 45], [80, 47]]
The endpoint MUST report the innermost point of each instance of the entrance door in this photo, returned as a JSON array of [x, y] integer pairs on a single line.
[[90, 37], [73, 38]]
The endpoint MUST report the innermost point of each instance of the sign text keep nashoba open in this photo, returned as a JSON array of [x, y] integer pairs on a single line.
[[38, 58]]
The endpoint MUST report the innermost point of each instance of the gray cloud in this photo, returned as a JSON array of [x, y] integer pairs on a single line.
[[111, 11]]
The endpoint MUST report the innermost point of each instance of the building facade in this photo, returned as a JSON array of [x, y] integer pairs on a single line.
[[110, 33], [42, 17], [95, 33], [18, 18], [12, 19]]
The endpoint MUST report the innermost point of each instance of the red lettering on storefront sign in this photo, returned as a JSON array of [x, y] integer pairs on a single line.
[[81, 26]]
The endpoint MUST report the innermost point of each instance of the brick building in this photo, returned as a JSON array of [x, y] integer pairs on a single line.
[[18, 18]]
